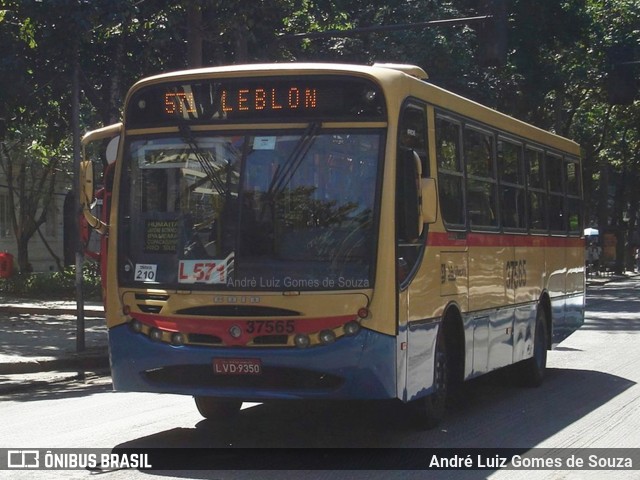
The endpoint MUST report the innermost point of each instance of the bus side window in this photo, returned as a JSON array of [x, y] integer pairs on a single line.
[[512, 185], [481, 178], [555, 179], [574, 195], [450, 173], [537, 195]]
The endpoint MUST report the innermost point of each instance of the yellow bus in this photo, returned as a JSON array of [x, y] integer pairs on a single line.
[[326, 231]]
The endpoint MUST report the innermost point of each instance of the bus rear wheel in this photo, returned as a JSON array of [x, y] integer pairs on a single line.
[[217, 408], [532, 370], [431, 409]]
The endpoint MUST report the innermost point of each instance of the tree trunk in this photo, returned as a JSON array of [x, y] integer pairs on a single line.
[[23, 255]]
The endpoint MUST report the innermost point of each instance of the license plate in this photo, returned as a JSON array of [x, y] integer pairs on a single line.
[[237, 366]]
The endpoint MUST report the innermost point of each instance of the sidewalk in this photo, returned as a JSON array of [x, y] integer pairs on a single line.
[[40, 336], [601, 279]]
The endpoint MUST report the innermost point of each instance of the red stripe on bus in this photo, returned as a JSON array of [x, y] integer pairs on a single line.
[[476, 239], [219, 327]]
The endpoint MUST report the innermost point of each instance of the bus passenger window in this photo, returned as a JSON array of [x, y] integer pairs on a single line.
[[512, 191], [451, 198], [512, 203], [478, 153], [450, 175], [555, 179], [573, 179], [481, 203], [574, 196], [555, 173], [556, 213], [481, 178], [448, 145], [537, 211], [537, 195], [534, 168]]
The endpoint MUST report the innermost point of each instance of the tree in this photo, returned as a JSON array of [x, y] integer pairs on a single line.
[[30, 169], [555, 74]]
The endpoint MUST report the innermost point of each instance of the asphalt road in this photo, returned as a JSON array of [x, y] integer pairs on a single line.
[[590, 399]]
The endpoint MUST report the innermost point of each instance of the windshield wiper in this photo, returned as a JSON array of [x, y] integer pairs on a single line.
[[285, 172], [205, 159]]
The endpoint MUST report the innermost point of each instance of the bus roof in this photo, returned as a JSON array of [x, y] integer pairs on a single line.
[[386, 75]]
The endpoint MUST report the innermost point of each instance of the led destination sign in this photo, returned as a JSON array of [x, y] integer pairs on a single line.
[[256, 100], [246, 100]]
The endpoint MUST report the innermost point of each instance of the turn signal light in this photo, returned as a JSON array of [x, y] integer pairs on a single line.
[[351, 328], [155, 334], [327, 336], [136, 326], [302, 341]]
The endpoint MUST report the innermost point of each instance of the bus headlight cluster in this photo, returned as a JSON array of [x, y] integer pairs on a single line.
[[156, 334]]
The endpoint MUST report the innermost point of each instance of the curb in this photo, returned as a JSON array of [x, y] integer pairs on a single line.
[[43, 310], [61, 378], [598, 281]]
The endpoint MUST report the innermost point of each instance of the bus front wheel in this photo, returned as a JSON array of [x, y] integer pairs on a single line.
[[217, 408], [431, 409]]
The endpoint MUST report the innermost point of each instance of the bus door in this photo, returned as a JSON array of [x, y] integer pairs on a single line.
[[100, 149], [415, 350]]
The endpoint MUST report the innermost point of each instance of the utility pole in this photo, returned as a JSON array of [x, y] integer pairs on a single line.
[[75, 123]]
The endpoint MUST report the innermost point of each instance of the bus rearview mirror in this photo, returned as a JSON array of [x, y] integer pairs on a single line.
[[87, 194]]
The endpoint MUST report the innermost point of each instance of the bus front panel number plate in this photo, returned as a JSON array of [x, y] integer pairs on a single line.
[[237, 366]]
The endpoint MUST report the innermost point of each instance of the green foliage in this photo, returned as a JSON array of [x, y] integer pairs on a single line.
[[555, 74], [59, 285]]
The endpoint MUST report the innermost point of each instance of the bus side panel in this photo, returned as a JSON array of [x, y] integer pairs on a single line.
[[442, 280], [487, 293], [523, 328], [573, 318], [555, 258], [531, 257], [572, 303], [422, 344], [501, 338]]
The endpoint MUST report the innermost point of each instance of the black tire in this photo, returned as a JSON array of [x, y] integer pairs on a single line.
[[218, 408], [431, 409], [531, 371]]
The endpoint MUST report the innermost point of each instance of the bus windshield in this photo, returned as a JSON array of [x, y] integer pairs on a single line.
[[268, 210]]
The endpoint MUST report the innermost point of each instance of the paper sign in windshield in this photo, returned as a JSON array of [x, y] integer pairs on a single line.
[[161, 236], [205, 271]]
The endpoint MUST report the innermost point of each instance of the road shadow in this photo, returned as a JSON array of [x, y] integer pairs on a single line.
[[64, 385], [489, 412], [32, 336]]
